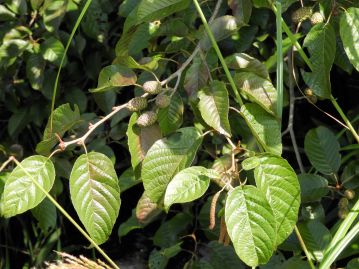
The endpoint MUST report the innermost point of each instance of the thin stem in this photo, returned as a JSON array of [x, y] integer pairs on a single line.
[[63, 211], [294, 40], [343, 228], [345, 119], [290, 127], [302, 244], [279, 59], [339, 247], [81, 140], [78, 21], [11, 158], [218, 51]]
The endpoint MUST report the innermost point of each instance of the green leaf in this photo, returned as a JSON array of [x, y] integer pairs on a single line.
[[114, 76], [214, 106], [247, 63], [349, 33], [321, 44], [264, 126], [52, 50], [64, 118], [127, 180], [313, 187], [188, 185], [20, 193], [95, 23], [146, 210], [221, 27], [5, 14], [316, 238], [295, 262], [35, 66], [139, 141], [220, 256], [168, 233], [353, 264], [251, 225], [151, 10], [166, 158], [53, 12], [250, 163], [95, 194], [129, 225], [277, 179], [241, 9], [257, 89], [159, 258], [196, 76], [322, 149], [170, 118], [221, 165], [45, 214]]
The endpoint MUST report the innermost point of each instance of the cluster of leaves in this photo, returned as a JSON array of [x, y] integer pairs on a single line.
[[217, 140]]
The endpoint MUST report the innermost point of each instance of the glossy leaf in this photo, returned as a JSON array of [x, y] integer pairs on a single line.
[[139, 141], [241, 9], [322, 149], [53, 12], [316, 238], [313, 187], [214, 106], [188, 185], [264, 126], [277, 179], [151, 10], [114, 76], [64, 118], [35, 66], [321, 44], [257, 89], [221, 28], [171, 117], [196, 77], [166, 158], [146, 210], [221, 166], [247, 63], [95, 194], [52, 50], [251, 225], [20, 193], [349, 33]]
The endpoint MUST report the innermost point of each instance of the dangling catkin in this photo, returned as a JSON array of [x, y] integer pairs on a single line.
[[212, 212]]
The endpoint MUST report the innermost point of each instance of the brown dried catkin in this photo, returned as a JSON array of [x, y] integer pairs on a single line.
[[212, 212], [222, 231]]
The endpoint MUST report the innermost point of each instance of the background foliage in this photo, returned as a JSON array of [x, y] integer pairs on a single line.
[[219, 151]]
